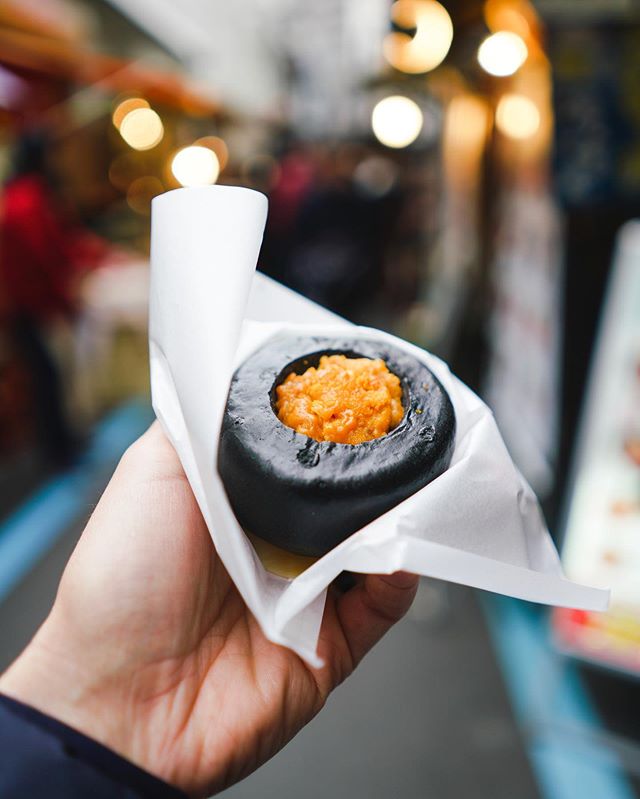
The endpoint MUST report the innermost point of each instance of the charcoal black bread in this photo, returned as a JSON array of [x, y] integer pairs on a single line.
[[307, 496]]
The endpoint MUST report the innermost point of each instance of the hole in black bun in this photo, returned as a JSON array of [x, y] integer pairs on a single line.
[[300, 365]]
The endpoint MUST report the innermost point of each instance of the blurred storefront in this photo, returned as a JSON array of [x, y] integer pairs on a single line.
[[456, 172], [76, 220]]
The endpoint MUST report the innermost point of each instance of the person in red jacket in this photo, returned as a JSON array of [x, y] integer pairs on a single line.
[[38, 272]]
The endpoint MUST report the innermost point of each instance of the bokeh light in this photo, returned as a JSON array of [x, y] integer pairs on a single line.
[[218, 146], [375, 176], [502, 53], [517, 116], [141, 192], [195, 166], [396, 121], [124, 168], [507, 15], [467, 121], [464, 137], [125, 107], [142, 129], [428, 47]]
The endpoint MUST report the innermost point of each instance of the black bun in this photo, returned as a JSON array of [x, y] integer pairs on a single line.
[[305, 495]]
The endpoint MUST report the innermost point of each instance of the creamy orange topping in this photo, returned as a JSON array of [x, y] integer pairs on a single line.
[[346, 400]]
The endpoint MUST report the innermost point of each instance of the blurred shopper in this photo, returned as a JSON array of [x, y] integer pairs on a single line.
[[294, 180], [149, 651], [40, 257], [325, 233]]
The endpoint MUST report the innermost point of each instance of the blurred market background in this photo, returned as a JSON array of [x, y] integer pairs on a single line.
[[465, 175]]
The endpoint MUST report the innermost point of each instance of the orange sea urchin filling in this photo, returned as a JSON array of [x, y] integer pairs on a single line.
[[346, 400]]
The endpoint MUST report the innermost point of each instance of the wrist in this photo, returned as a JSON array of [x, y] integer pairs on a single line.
[[80, 688], [59, 686]]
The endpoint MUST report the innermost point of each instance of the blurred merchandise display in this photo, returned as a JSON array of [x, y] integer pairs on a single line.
[[108, 128], [452, 248], [110, 362], [523, 380], [597, 153], [602, 538], [593, 49]]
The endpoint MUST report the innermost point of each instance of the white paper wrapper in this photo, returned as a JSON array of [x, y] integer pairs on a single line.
[[478, 524]]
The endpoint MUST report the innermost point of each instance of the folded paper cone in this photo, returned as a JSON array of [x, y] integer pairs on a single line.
[[478, 524]]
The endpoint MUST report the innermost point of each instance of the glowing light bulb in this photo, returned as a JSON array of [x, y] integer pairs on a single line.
[[142, 129], [502, 53], [517, 116], [125, 107], [431, 41], [195, 166], [396, 121]]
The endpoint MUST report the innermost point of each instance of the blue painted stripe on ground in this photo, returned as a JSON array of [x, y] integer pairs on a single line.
[[28, 533], [553, 707]]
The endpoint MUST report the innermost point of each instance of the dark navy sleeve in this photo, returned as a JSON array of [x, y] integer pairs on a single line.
[[41, 758]]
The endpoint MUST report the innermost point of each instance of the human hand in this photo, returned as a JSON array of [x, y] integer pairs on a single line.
[[150, 649]]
